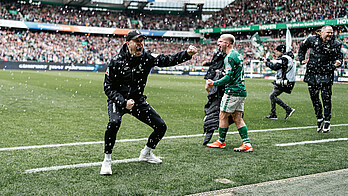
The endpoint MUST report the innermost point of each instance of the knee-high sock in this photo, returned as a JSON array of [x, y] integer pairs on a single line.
[[222, 134], [243, 132]]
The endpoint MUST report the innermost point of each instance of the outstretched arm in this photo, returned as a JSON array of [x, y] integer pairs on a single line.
[[171, 60]]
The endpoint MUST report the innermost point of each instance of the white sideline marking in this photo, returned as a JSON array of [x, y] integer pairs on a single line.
[[229, 191], [311, 142], [78, 165], [142, 139]]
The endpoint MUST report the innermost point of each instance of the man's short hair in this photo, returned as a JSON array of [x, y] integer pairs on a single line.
[[228, 37], [326, 27]]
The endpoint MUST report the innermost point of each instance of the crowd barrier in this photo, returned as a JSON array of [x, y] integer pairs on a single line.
[[8, 65]]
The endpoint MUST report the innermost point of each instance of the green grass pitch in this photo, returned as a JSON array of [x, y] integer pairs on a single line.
[[39, 108]]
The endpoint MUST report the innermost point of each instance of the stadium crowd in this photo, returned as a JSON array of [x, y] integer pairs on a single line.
[[242, 13], [238, 13], [40, 46]]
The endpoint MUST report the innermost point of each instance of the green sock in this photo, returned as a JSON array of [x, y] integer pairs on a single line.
[[243, 132], [222, 134]]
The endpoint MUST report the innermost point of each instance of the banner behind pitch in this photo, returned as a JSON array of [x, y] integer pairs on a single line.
[[51, 66]]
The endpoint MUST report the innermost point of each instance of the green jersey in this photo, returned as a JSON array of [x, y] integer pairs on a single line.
[[234, 78]]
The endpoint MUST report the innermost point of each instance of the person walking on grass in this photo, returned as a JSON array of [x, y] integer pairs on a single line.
[[124, 85], [285, 80], [324, 57], [232, 103]]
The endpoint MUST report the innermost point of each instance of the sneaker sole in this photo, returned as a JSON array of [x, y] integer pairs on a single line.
[[290, 114], [154, 162], [272, 118], [106, 174], [216, 147], [250, 150], [149, 161]]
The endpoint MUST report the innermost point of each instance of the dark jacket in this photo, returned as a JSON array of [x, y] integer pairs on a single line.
[[323, 55], [284, 72], [216, 63], [126, 76]]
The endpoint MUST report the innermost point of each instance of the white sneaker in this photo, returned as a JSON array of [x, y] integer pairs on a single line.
[[326, 128], [320, 126], [106, 168], [149, 157]]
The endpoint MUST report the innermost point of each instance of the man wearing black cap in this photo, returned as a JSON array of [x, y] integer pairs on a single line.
[[124, 84], [285, 80], [324, 57]]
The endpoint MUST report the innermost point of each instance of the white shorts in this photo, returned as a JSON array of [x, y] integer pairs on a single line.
[[230, 103]]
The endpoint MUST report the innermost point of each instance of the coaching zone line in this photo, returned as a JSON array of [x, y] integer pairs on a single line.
[[312, 142], [136, 159], [142, 139]]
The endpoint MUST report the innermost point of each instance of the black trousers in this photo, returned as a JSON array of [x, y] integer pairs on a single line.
[[142, 111], [273, 96], [326, 92]]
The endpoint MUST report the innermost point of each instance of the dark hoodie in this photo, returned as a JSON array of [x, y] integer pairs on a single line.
[[126, 75]]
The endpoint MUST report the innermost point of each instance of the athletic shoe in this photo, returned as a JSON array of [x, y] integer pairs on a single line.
[[289, 113], [207, 138], [106, 168], [244, 148], [272, 116], [216, 144], [320, 126], [149, 157], [326, 128]]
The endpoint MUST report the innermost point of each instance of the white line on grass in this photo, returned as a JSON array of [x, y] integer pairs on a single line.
[[230, 191], [77, 165], [311, 142], [144, 139]]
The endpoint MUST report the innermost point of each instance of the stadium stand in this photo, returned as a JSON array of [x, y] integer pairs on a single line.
[[243, 13], [68, 47], [237, 13]]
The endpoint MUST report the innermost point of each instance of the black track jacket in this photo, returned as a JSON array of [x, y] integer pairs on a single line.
[[126, 76], [323, 55]]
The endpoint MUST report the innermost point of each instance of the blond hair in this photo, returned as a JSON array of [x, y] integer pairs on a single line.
[[228, 37]]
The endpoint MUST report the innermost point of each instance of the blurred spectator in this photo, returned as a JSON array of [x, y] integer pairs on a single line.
[[237, 13], [41, 46]]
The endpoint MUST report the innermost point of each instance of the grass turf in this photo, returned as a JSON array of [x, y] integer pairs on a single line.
[[41, 107]]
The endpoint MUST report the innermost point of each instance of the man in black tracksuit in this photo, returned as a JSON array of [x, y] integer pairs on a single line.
[[285, 80], [212, 108], [325, 55], [124, 84]]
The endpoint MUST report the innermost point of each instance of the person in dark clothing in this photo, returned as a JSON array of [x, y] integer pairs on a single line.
[[285, 80], [212, 108], [215, 93], [124, 84], [324, 57]]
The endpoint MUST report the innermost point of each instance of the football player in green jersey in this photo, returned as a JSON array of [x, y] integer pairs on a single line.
[[235, 93]]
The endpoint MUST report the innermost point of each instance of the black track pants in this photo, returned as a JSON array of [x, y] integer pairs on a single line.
[[144, 112], [326, 92], [273, 96]]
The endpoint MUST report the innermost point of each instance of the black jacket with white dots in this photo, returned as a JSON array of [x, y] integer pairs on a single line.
[[322, 58], [126, 75]]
